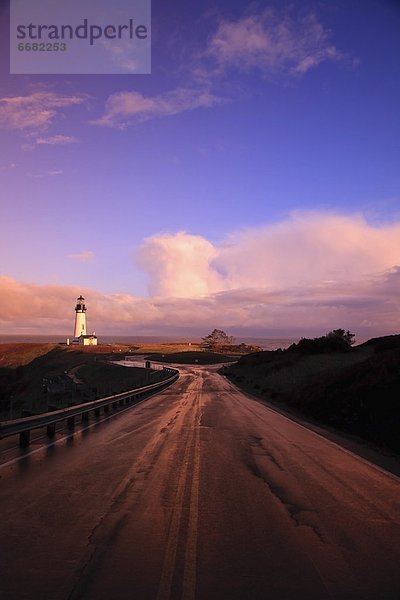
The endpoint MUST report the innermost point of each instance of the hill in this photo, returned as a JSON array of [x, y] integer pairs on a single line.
[[37, 377], [356, 390]]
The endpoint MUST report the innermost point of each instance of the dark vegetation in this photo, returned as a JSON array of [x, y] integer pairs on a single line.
[[35, 378], [219, 341], [356, 390], [217, 347], [337, 340]]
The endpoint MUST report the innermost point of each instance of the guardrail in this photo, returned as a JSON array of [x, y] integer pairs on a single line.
[[25, 425]]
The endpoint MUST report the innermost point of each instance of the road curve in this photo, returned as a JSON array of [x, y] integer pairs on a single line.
[[197, 493]]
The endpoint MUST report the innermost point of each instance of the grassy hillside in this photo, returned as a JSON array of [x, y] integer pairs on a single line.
[[164, 348], [192, 357], [16, 355], [36, 377], [356, 391]]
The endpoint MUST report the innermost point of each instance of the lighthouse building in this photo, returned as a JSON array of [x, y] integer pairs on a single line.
[[80, 333]]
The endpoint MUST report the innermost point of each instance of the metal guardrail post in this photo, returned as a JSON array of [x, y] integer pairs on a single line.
[[51, 430], [24, 439]]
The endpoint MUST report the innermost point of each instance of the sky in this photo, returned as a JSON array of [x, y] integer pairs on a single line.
[[251, 182]]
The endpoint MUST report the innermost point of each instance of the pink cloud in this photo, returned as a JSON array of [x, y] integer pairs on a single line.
[[127, 108], [179, 265], [309, 273], [34, 112], [57, 140], [84, 257], [272, 42], [305, 249], [367, 309]]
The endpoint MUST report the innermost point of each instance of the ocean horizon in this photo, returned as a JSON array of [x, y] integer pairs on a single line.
[[266, 343]]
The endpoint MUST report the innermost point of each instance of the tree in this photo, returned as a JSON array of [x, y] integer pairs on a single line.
[[216, 339], [337, 340], [346, 337]]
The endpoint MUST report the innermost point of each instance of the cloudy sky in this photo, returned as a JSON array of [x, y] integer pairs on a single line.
[[250, 183]]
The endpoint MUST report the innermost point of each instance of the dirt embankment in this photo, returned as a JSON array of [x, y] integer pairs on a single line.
[[356, 391]]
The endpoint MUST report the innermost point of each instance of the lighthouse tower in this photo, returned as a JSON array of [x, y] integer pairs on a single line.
[[80, 334], [80, 317]]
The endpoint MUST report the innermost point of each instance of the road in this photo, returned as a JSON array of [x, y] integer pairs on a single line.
[[200, 493]]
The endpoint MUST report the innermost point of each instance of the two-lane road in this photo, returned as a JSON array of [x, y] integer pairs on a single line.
[[197, 493]]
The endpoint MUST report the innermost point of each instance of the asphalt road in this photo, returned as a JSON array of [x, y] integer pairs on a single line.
[[197, 493]]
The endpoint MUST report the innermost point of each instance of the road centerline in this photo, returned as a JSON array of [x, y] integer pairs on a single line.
[[192, 446]]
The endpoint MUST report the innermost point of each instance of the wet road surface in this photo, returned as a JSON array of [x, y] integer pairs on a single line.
[[199, 492]]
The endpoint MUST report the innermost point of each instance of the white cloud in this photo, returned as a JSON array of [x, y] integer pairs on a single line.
[[307, 274], [306, 249], [311, 269], [179, 265], [50, 173], [57, 140], [34, 112], [127, 108], [86, 256], [369, 308], [272, 42], [123, 54], [309, 248]]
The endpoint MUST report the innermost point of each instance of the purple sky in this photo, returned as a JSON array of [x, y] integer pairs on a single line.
[[251, 182]]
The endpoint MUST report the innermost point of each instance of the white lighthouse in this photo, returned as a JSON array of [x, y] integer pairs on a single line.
[[80, 324], [80, 317]]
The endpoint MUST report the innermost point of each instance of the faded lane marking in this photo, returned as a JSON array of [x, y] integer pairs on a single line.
[[169, 565], [189, 575]]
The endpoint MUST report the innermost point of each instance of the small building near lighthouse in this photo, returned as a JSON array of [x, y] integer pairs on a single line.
[[80, 333]]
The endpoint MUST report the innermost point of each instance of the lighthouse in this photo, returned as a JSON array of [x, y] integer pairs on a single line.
[[80, 334], [80, 317]]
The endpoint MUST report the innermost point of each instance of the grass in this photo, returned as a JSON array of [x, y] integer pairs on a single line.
[[34, 377], [286, 375], [192, 357], [15, 355], [355, 391], [165, 348]]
